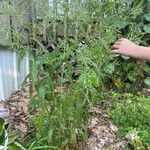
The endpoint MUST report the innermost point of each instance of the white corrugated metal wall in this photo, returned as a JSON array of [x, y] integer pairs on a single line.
[[10, 75]]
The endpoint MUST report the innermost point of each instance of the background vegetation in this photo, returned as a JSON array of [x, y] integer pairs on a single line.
[[69, 47]]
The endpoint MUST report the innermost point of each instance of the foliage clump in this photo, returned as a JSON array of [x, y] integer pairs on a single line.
[[70, 63], [131, 113]]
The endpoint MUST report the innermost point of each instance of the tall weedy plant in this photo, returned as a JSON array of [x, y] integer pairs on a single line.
[[69, 47]]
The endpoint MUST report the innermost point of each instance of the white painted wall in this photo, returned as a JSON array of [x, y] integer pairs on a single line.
[[10, 76]]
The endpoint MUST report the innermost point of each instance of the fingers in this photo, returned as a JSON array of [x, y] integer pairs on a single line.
[[118, 43], [115, 51], [115, 46], [118, 46], [122, 39]]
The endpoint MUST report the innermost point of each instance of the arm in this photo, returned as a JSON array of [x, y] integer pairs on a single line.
[[128, 48]]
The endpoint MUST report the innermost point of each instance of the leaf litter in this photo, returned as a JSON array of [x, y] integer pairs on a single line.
[[102, 132]]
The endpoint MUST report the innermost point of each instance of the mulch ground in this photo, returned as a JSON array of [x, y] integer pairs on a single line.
[[102, 132]]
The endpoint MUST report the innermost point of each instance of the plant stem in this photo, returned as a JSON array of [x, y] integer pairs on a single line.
[[55, 20], [65, 23]]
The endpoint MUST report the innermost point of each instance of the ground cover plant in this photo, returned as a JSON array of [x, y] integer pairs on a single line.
[[131, 114], [69, 47]]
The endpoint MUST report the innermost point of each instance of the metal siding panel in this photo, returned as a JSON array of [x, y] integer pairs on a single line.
[[10, 76], [1, 82], [10, 79], [15, 67], [24, 70], [4, 72], [7, 73]]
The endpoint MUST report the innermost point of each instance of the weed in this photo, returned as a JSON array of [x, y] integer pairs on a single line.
[[85, 31]]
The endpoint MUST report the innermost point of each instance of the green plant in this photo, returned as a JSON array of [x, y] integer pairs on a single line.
[[5, 142], [8, 142], [82, 32], [132, 112]]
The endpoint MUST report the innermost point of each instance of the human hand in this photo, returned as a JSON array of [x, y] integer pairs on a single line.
[[125, 47]]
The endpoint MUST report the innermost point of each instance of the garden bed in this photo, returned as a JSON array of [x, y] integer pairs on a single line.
[[102, 132], [80, 95]]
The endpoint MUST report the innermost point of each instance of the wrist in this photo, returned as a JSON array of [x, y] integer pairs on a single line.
[[141, 52], [135, 51]]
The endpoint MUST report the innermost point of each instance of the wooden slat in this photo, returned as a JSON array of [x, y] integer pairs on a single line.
[[26, 12], [18, 22], [21, 23], [5, 37]]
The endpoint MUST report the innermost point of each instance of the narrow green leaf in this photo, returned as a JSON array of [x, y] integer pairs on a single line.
[[41, 95], [16, 146], [33, 71], [2, 131]]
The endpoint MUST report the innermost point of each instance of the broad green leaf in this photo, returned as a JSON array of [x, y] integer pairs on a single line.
[[147, 16], [131, 77], [147, 28], [110, 69], [147, 81], [122, 24], [147, 68]]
